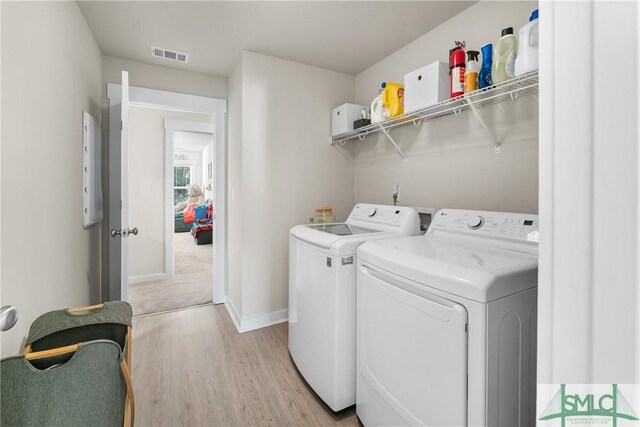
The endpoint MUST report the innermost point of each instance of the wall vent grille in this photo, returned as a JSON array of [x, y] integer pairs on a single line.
[[170, 55]]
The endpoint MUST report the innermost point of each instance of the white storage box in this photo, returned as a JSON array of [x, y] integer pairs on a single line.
[[342, 117], [426, 86]]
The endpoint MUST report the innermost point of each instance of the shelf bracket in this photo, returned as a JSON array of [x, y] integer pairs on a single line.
[[496, 143], [416, 122], [386, 132]]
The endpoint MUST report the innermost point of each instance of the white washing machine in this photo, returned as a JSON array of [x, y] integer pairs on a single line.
[[447, 323], [322, 295]]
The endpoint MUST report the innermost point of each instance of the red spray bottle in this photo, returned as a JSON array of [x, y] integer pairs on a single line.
[[457, 69]]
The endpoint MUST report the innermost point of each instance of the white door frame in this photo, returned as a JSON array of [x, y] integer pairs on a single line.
[[170, 126], [589, 270], [152, 98]]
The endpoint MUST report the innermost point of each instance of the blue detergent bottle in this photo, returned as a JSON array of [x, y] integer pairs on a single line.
[[484, 77]]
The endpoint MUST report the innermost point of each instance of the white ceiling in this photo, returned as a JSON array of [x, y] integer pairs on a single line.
[[191, 141], [342, 36]]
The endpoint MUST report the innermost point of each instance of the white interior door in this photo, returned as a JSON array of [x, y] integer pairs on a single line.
[[124, 187]]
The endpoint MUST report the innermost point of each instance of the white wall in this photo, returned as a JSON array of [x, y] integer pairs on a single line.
[[51, 72], [451, 161], [146, 187], [152, 77], [163, 78], [288, 168], [234, 195]]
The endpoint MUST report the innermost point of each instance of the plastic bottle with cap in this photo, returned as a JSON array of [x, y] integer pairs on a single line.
[[527, 60], [504, 57], [484, 77], [471, 72]]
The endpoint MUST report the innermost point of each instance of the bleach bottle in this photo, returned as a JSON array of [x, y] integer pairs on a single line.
[[527, 60]]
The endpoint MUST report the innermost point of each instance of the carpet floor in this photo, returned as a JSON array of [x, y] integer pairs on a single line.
[[191, 285]]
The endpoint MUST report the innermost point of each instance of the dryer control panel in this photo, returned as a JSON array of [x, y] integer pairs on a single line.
[[509, 226]]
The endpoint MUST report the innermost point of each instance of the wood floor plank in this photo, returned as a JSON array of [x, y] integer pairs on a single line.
[[194, 369]]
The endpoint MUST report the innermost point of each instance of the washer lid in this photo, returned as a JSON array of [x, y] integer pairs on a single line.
[[469, 269], [342, 229], [334, 242]]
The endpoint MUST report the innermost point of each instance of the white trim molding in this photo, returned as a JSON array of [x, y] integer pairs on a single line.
[[589, 271], [256, 322], [147, 278]]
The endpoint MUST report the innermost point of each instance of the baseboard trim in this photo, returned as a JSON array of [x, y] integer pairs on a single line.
[[263, 321], [233, 312], [147, 278], [257, 322]]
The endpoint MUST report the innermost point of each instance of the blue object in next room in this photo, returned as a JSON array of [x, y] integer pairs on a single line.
[[201, 212]]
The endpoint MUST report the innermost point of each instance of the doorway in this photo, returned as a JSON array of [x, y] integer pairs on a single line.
[[170, 189], [121, 100]]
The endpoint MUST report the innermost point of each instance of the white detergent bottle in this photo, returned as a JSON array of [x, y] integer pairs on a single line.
[[377, 110], [504, 57], [527, 60]]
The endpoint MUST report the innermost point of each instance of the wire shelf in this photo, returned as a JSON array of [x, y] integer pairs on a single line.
[[526, 84]]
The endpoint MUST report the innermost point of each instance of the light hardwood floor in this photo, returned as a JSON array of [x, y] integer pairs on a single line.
[[192, 368], [191, 285]]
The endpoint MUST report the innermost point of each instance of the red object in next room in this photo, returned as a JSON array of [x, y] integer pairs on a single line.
[[457, 69]]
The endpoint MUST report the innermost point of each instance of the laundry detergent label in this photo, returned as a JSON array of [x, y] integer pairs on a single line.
[[511, 64]]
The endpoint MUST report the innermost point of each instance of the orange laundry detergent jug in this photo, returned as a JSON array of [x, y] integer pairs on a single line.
[[393, 99]]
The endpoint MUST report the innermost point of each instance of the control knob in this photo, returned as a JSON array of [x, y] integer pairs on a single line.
[[475, 222], [372, 212]]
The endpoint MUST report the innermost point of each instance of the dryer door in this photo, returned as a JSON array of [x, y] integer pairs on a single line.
[[411, 353]]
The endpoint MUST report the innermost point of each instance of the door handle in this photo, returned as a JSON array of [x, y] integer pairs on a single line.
[[124, 232], [8, 317]]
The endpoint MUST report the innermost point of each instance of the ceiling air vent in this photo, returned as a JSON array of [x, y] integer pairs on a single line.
[[171, 55]]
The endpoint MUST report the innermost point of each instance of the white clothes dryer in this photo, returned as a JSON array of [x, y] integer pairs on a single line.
[[322, 295], [446, 323]]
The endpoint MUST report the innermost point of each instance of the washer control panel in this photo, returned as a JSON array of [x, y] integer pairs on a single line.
[[512, 226], [386, 217]]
